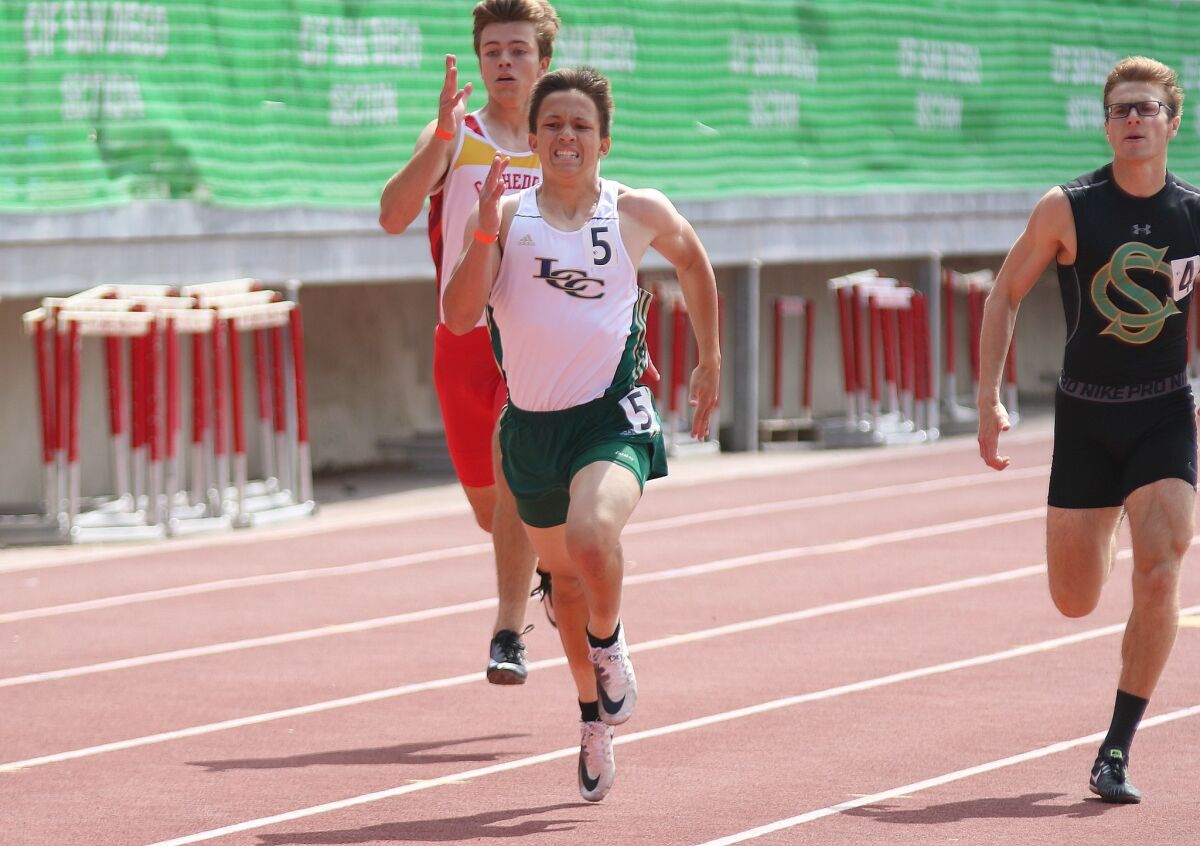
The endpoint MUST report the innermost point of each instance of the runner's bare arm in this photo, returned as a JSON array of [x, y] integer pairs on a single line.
[[404, 194], [1049, 234], [673, 237], [470, 284]]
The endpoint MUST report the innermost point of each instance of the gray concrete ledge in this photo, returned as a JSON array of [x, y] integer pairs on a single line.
[[181, 242]]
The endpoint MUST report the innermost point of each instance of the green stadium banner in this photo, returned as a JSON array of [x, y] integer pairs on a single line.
[[260, 103]]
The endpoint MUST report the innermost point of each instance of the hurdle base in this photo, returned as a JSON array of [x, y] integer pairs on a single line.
[[841, 434], [117, 534], [104, 519], [279, 514], [30, 530], [186, 525], [957, 419], [254, 503], [681, 446], [786, 431], [916, 436]]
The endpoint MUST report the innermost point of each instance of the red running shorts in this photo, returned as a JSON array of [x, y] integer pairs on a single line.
[[471, 393]]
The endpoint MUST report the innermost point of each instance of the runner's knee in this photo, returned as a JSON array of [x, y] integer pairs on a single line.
[[590, 547], [1156, 584]]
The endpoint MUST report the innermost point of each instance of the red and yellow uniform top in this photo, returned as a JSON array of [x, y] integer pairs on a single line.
[[451, 204]]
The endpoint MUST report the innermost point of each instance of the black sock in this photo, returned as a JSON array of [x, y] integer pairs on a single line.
[[602, 643], [589, 712], [1127, 713]]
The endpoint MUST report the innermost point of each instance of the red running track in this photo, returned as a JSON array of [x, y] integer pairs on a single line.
[[853, 652]]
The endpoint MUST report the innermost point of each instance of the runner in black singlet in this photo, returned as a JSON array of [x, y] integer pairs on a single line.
[[1127, 242]]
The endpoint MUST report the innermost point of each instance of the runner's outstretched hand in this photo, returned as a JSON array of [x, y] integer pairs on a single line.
[[490, 194], [452, 105]]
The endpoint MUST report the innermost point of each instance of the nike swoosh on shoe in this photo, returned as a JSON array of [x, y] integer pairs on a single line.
[[607, 704], [589, 783]]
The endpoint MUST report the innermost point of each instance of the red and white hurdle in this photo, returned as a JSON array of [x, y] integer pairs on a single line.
[[886, 363], [39, 523], [134, 516], [783, 427], [288, 493], [151, 496], [974, 287]]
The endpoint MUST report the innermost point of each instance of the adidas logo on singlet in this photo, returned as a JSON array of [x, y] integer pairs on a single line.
[[526, 240]]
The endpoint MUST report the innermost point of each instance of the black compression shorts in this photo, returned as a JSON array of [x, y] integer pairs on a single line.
[[1105, 451]]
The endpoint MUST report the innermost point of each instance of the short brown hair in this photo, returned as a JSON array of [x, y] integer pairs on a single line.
[[1143, 69], [583, 79], [537, 12]]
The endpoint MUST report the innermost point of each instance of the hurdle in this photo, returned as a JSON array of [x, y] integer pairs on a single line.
[[194, 504], [899, 347], [975, 287], [42, 523], [895, 365], [782, 429], [143, 517], [290, 494], [121, 508], [268, 437], [854, 428]]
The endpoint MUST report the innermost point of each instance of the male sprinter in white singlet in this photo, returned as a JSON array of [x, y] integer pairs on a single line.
[[514, 40], [555, 267]]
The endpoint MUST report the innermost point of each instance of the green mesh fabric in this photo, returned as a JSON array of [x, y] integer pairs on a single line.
[[255, 103]]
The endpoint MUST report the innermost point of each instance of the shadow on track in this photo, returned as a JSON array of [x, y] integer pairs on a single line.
[[411, 754], [477, 826], [1027, 806]]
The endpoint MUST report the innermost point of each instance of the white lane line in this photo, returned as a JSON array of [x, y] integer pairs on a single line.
[[338, 521], [475, 677], [795, 552], [821, 500], [851, 545], [479, 548], [938, 781], [674, 728], [243, 582]]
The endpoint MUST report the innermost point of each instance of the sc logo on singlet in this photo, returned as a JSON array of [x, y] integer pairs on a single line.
[[574, 282], [1144, 322]]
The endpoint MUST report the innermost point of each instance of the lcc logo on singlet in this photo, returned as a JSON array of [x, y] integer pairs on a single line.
[[574, 282], [1143, 325]]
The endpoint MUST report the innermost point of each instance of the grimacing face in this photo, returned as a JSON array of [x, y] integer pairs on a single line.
[[568, 133], [1135, 137]]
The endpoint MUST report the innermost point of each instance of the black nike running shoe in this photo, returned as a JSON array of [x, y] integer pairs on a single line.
[[544, 590], [507, 662], [1110, 778]]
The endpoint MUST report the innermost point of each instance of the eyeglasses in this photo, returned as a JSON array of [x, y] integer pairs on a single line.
[[1145, 108]]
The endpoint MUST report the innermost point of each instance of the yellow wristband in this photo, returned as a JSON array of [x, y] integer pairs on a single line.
[[442, 134], [484, 238]]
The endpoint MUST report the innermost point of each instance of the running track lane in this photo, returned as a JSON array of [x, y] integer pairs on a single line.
[[234, 778]]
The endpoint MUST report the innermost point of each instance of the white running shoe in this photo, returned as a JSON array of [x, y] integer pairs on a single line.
[[597, 767], [615, 681]]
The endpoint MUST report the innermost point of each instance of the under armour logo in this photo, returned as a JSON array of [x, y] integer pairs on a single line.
[[526, 241], [1141, 229]]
